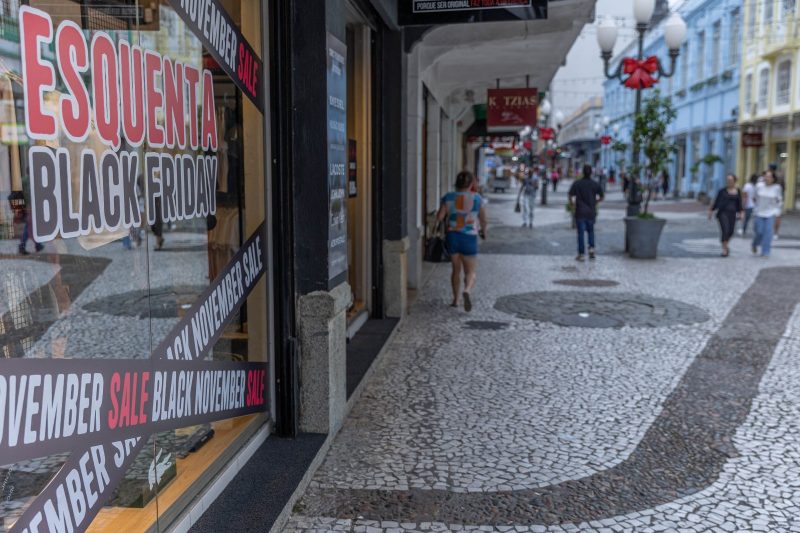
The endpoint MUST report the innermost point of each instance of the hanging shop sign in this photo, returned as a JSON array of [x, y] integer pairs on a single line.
[[546, 134], [212, 24], [352, 168], [337, 158], [753, 139], [511, 109], [425, 12]]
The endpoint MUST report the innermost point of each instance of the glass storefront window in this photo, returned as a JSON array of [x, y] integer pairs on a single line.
[[133, 287]]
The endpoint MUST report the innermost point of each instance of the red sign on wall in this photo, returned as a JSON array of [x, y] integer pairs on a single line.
[[511, 109], [753, 139]]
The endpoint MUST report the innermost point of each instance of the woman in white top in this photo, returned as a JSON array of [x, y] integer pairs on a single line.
[[768, 200], [749, 192]]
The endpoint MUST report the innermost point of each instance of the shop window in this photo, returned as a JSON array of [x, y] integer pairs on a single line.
[[763, 89], [716, 47], [734, 41], [132, 271], [701, 56], [748, 94], [783, 82]]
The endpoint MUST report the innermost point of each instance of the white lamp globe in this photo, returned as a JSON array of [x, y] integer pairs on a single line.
[[606, 35], [674, 31], [559, 118], [597, 128], [643, 10], [545, 107], [616, 129], [606, 121]]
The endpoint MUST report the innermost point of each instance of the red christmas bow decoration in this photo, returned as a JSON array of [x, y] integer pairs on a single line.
[[640, 73]]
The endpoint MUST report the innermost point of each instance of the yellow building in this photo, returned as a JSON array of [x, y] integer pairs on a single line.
[[769, 97]]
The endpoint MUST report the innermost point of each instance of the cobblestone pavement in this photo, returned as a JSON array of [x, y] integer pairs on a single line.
[[613, 395]]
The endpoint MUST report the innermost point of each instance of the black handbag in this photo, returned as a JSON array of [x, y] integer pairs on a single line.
[[436, 247]]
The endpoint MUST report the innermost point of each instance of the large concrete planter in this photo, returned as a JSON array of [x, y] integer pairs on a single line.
[[643, 235]]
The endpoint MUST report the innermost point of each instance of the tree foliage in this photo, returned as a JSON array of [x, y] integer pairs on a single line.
[[650, 135]]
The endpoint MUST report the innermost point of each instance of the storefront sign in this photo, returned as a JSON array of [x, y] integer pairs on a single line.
[[210, 23], [423, 12], [352, 169], [103, 411], [181, 185], [753, 139], [495, 140], [511, 109], [337, 158]]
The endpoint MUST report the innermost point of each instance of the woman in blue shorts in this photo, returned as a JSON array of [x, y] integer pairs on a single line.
[[464, 211]]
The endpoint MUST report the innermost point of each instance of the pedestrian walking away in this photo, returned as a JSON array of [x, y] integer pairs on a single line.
[[728, 206], [464, 211], [584, 195], [768, 203], [773, 167], [748, 193], [526, 198]]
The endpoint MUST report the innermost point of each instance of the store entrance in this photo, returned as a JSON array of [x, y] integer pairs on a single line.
[[360, 176]]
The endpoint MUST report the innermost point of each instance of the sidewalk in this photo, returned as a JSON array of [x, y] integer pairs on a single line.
[[614, 395]]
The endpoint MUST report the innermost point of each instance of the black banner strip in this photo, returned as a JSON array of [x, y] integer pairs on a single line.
[[36, 512], [210, 23]]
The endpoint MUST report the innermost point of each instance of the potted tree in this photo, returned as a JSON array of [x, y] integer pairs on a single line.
[[650, 134]]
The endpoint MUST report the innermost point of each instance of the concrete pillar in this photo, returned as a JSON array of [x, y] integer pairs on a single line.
[[322, 325], [395, 278]]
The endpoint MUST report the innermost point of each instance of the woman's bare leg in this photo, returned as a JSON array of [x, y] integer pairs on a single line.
[[470, 272], [455, 277]]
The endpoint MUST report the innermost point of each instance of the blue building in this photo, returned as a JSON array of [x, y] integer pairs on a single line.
[[704, 90]]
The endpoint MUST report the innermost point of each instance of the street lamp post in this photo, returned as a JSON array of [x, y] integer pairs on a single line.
[[639, 73], [544, 111]]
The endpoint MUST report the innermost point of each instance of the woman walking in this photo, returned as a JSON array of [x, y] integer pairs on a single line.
[[728, 206], [769, 201], [464, 210]]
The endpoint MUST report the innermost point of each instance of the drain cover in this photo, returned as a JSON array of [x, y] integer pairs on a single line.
[[486, 325], [600, 309], [586, 282]]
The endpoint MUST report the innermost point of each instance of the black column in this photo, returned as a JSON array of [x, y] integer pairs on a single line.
[[309, 143], [392, 130]]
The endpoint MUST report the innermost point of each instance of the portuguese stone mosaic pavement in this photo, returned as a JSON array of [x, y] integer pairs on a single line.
[[679, 412]]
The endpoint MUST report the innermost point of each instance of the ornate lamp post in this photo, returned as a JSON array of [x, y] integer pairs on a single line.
[[638, 72], [544, 112]]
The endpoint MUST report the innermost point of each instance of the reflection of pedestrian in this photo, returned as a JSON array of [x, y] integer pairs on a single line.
[[22, 215], [728, 205], [768, 200], [158, 227], [585, 194]]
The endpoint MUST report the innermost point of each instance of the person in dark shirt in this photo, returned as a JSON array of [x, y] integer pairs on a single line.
[[584, 195]]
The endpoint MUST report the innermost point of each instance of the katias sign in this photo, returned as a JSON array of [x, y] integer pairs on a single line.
[[511, 109], [136, 96]]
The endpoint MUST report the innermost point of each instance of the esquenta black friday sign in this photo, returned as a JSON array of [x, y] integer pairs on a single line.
[[106, 410], [429, 12]]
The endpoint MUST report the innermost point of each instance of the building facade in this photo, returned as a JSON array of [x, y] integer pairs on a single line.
[[705, 92], [770, 93], [580, 135]]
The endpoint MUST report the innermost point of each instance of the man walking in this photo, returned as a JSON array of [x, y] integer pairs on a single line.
[[584, 195]]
